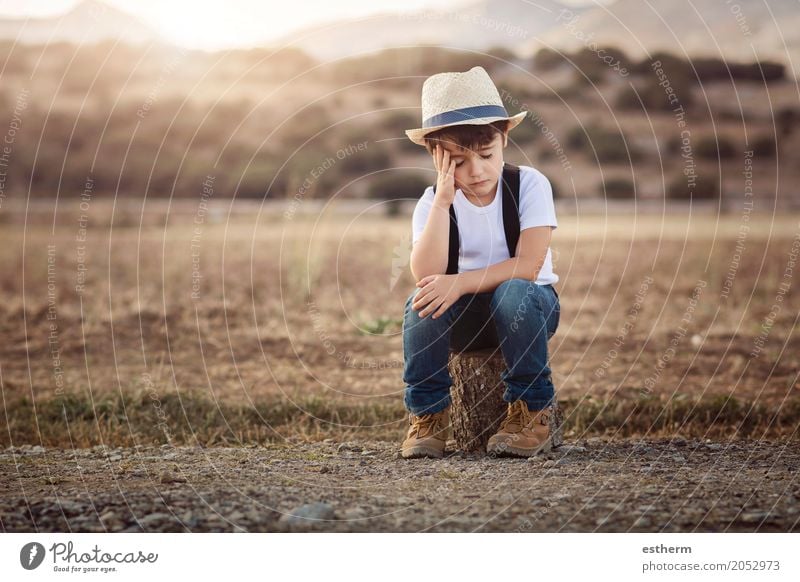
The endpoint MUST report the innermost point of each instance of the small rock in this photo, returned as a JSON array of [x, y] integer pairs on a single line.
[[328, 441], [171, 477], [355, 513], [344, 447], [568, 449], [109, 515], [754, 516], [154, 518], [549, 463], [36, 450], [306, 515]]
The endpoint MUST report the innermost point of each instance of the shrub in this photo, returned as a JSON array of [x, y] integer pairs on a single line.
[[618, 189], [607, 144], [764, 146], [395, 187], [704, 188], [548, 59], [713, 147]]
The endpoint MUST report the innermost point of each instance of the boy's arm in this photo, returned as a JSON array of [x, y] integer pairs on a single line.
[[531, 253], [429, 256]]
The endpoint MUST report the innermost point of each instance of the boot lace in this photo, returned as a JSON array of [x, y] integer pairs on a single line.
[[515, 417], [426, 424], [519, 415]]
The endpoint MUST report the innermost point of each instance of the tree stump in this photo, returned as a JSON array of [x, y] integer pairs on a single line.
[[478, 405]]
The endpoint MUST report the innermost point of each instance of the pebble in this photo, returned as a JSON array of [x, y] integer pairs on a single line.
[[306, 515], [154, 518], [171, 477], [568, 449]]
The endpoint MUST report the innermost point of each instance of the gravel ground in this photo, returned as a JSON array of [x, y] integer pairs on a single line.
[[594, 485]]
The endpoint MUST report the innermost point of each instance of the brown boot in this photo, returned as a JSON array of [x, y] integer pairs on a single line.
[[427, 435], [523, 432]]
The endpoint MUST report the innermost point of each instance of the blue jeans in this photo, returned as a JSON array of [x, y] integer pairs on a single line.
[[519, 316]]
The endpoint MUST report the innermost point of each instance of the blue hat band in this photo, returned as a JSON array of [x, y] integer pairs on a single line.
[[456, 115]]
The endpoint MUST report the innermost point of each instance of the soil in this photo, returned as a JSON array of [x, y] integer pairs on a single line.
[[592, 485]]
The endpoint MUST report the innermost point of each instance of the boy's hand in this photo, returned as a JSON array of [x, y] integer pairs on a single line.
[[445, 182], [438, 292]]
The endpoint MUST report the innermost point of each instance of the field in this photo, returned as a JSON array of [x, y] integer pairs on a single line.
[[217, 328]]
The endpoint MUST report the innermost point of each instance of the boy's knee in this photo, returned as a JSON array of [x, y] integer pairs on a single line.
[[409, 310], [513, 295], [410, 300]]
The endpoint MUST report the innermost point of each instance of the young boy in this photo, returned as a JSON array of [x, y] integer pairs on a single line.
[[476, 286]]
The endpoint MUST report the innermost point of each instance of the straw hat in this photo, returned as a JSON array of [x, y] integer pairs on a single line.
[[460, 99]]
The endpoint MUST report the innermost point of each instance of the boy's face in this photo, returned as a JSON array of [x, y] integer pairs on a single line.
[[478, 171]]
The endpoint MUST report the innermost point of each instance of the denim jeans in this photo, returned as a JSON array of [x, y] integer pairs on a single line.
[[519, 316]]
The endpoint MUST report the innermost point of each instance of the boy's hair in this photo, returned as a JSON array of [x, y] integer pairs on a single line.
[[465, 137]]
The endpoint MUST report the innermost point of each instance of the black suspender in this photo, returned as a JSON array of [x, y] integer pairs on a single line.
[[511, 207], [452, 258], [510, 218]]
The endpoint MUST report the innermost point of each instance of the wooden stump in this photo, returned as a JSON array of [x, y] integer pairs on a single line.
[[478, 405]]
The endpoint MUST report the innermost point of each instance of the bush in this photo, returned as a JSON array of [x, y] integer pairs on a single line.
[[712, 147], [703, 189], [618, 189], [607, 144], [525, 133], [395, 187], [595, 67], [786, 119], [548, 59], [653, 97], [371, 159], [764, 146]]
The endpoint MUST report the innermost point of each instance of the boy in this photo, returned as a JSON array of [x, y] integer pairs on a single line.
[[476, 286]]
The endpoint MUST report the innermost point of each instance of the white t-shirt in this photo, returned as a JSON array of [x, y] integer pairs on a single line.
[[483, 238]]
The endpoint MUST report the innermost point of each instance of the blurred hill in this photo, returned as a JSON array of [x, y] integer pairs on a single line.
[[155, 120], [743, 30], [88, 21], [739, 31], [479, 26]]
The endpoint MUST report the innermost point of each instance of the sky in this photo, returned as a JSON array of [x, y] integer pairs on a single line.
[[215, 24]]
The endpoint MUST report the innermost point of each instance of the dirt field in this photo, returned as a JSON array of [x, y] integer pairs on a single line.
[[627, 485], [251, 332]]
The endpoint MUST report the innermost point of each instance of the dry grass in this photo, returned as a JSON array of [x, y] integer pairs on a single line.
[[296, 331]]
